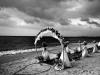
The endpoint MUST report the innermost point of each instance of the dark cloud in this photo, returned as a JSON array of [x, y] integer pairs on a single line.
[[4, 16], [92, 8], [91, 0], [32, 7], [95, 23], [63, 21], [90, 22], [54, 9]]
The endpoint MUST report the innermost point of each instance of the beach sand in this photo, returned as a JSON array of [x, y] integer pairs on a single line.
[[26, 64]]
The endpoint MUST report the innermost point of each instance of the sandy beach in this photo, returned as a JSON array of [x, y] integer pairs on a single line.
[[26, 64]]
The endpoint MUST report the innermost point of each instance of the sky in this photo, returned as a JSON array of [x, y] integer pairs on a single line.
[[69, 17]]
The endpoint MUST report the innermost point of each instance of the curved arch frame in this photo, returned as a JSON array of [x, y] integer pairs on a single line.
[[54, 33]]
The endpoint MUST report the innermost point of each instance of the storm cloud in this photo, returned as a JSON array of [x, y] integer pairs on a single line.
[[64, 15], [94, 21], [32, 7], [52, 9]]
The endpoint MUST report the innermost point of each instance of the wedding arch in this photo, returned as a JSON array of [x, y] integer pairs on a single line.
[[55, 34], [49, 32]]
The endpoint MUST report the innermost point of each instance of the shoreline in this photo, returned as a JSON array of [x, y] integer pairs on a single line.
[[12, 52], [18, 51], [30, 50], [5, 58]]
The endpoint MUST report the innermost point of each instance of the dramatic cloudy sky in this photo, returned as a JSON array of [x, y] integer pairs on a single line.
[[69, 17]]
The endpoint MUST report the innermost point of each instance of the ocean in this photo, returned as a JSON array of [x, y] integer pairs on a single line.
[[27, 42]]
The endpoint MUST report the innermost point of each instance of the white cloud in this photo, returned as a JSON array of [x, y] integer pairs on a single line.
[[84, 24], [95, 20], [18, 21]]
